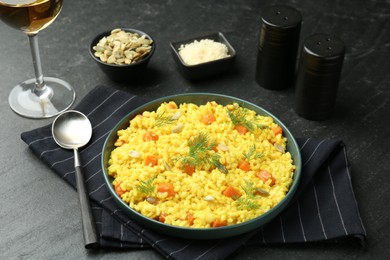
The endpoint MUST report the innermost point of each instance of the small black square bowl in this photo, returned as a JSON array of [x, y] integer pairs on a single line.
[[127, 72], [206, 69]]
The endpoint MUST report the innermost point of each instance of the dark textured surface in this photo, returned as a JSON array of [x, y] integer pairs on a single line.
[[39, 216]]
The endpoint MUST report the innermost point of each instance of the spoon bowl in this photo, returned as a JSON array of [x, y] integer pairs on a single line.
[[72, 130]]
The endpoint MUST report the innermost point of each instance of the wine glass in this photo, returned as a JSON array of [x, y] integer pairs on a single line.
[[40, 97]]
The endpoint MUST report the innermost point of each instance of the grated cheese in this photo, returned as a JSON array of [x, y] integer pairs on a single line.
[[202, 51]]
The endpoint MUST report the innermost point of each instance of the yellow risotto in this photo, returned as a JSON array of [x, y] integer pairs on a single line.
[[201, 166]]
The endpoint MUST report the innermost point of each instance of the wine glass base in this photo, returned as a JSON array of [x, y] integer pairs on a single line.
[[58, 97]]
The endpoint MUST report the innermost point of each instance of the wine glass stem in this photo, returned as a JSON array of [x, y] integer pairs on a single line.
[[39, 82]]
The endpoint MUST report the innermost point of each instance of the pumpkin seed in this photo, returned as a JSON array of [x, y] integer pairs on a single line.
[[122, 47]]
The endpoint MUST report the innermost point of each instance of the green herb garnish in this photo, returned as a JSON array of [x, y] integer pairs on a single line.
[[147, 187], [251, 154], [239, 117], [162, 119], [245, 203], [248, 201], [200, 153]]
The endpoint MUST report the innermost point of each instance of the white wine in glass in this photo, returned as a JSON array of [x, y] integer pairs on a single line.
[[40, 97]]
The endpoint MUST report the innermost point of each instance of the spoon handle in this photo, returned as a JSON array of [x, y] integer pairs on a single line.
[[89, 230]]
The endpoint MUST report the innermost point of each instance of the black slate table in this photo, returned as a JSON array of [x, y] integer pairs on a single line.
[[39, 214]]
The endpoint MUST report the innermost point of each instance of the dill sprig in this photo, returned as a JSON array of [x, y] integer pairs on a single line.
[[147, 187], [239, 117], [199, 145], [249, 189], [251, 154], [162, 119], [245, 203], [199, 154], [248, 201]]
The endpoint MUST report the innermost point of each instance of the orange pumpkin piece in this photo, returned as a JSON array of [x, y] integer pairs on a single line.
[[162, 216], [265, 176], [118, 189], [218, 223], [245, 166], [241, 129], [189, 169], [151, 160], [208, 119], [150, 136], [231, 192], [166, 187], [277, 130], [190, 219]]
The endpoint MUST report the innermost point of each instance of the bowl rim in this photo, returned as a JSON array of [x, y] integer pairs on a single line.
[[190, 39], [206, 233], [97, 38]]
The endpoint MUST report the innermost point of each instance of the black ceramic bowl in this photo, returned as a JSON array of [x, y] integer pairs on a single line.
[[122, 73], [200, 233], [206, 69]]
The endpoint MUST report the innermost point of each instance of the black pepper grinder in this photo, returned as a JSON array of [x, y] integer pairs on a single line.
[[318, 76], [278, 46]]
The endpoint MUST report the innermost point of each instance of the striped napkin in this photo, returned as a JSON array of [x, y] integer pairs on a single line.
[[324, 207]]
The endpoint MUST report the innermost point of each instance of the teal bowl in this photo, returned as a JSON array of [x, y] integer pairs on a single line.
[[201, 233]]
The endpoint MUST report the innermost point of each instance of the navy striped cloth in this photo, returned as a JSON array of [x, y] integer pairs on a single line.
[[324, 207]]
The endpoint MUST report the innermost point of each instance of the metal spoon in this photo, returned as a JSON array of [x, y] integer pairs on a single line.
[[72, 130]]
